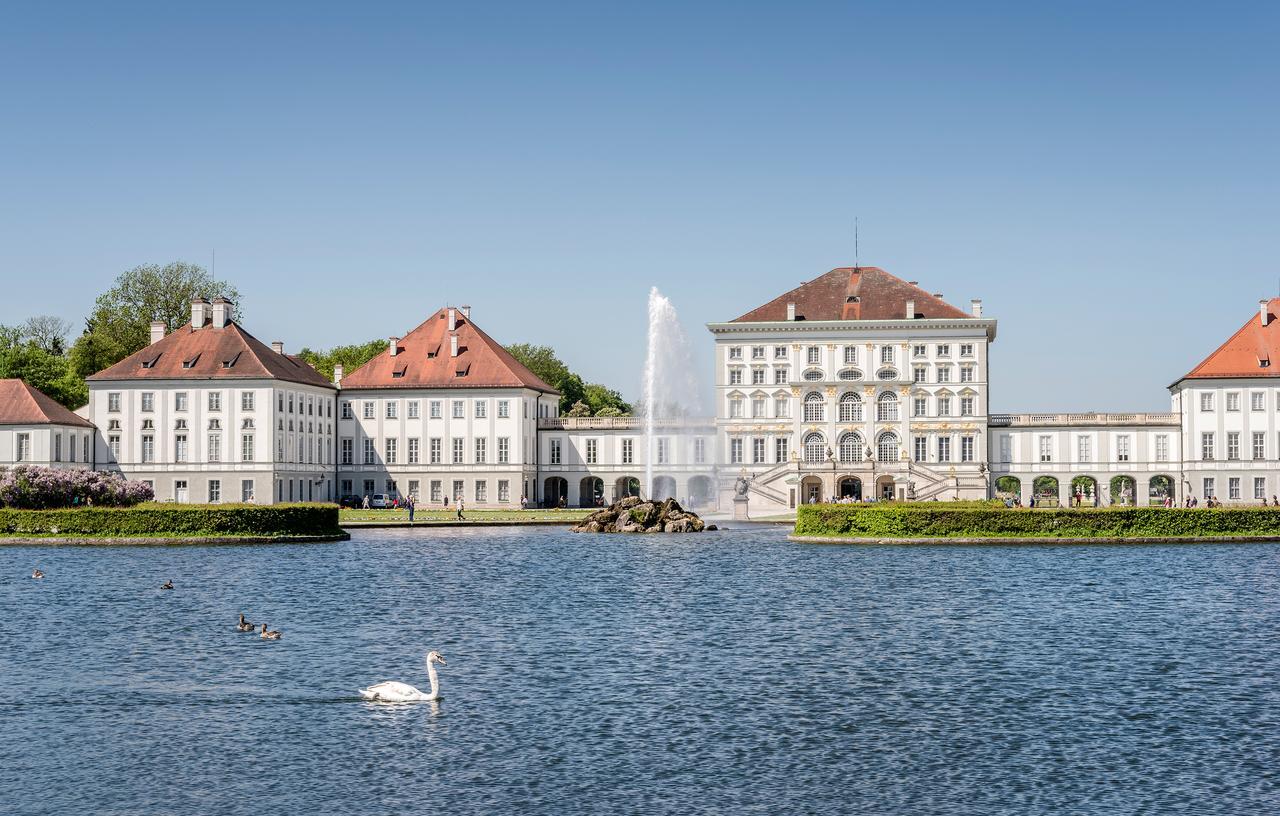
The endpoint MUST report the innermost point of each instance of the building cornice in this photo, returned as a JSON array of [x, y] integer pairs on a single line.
[[845, 326]]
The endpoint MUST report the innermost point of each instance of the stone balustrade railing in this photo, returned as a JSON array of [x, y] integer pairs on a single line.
[[1049, 420]]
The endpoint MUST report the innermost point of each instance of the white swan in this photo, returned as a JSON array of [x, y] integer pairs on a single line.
[[393, 692]]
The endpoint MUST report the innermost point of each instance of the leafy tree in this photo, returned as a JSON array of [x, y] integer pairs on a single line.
[[579, 409], [543, 361], [47, 332], [51, 373], [120, 323], [349, 357]]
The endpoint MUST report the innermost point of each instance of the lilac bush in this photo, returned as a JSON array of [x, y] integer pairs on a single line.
[[36, 488]]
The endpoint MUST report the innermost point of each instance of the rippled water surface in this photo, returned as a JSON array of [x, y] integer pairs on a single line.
[[731, 672]]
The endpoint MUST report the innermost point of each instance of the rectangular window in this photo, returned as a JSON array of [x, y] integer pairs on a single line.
[[757, 408], [459, 409], [735, 376], [23, 452], [1206, 401], [735, 352], [72, 441], [392, 406], [966, 374], [781, 376], [215, 400], [113, 402], [215, 491], [457, 489], [1233, 401], [921, 445], [966, 448], [148, 401], [1233, 445], [504, 450], [1207, 452], [966, 349], [757, 352], [699, 451], [758, 376], [781, 449], [944, 406], [1084, 449], [944, 374], [919, 406], [415, 409], [919, 350], [944, 449], [180, 448], [389, 448], [246, 402], [1259, 445], [369, 456], [1122, 448], [1162, 448], [345, 411], [663, 451], [1260, 487], [414, 451], [1233, 487], [757, 450], [437, 491], [458, 449], [414, 487], [813, 355], [735, 451], [628, 451], [180, 401], [553, 451], [215, 448], [504, 491], [482, 491], [850, 355], [482, 450], [592, 444], [368, 486], [886, 355], [919, 374], [735, 408], [390, 483], [944, 349], [247, 495], [1258, 401], [1006, 448], [1208, 487], [779, 352], [436, 409], [504, 412], [782, 407], [437, 450], [966, 406], [346, 451], [246, 447], [482, 409], [368, 409], [1046, 449]]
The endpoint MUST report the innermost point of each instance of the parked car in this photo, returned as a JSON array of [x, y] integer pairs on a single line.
[[351, 500], [380, 501]]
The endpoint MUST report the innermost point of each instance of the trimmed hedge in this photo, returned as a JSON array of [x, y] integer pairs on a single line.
[[941, 520], [172, 520]]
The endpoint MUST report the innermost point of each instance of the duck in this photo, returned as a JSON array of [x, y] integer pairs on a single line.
[[167, 584], [273, 634], [36, 573], [244, 625]]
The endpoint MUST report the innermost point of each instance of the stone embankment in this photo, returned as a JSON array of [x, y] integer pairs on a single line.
[[633, 515]]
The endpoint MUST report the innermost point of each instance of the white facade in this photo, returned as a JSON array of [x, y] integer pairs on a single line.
[[47, 445], [478, 444], [811, 410], [1230, 430]]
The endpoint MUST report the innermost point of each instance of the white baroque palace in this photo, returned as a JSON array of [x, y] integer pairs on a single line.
[[855, 385]]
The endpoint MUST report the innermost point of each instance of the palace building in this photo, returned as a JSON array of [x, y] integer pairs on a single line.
[[855, 385]]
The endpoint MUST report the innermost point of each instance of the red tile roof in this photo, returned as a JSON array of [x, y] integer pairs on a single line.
[[849, 293], [229, 353], [1253, 351], [21, 404], [423, 360]]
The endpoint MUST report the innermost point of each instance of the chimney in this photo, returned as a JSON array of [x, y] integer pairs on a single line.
[[453, 319], [466, 312], [221, 312], [453, 345], [199, 312], [157, 331], [1263, 314], [911, 310], [393, 345], [791, 311], [337, 374], [975, 306], [277, 346]]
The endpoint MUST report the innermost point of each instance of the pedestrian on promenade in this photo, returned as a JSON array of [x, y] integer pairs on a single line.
[[365, 504], [461, 506], [410, 503]]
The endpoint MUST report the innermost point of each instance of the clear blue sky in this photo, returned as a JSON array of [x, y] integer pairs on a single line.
[[1103, 175]]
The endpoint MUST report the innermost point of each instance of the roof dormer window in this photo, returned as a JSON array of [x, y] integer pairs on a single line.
[[151, 363], [231, 362], [190, 363]]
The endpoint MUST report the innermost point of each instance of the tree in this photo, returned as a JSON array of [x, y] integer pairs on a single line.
[[349, 357], [579, 409], [47, 332], [601, 399], [543, 361], [120, 323], [50, 373]]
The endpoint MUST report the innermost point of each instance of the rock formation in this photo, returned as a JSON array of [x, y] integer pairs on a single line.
[[633, 515]]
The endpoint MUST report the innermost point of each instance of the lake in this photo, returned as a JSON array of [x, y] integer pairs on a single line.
[[729, 672]]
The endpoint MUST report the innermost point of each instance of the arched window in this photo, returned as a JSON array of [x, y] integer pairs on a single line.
[[851, 408], [887, 407], [851, 374], [815, 449], [887, 447], [814, 407], [813, 375], [851, 447]]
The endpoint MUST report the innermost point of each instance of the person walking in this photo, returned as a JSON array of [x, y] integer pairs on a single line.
[[365, 504], [410, 504], [461, 506]]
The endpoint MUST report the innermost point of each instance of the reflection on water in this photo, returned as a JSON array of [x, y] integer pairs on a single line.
[[724, 673]]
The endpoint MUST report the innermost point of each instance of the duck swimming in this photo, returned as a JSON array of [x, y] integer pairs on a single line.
[[167, 584], [244, 625], [274, 634], [35, 573]]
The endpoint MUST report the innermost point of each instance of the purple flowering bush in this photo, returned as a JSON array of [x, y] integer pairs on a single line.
[[26, 487]]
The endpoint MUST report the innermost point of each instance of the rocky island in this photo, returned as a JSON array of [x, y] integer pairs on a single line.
[[635, 515]]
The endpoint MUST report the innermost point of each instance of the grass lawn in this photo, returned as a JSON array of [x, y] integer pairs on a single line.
[[438, 515]]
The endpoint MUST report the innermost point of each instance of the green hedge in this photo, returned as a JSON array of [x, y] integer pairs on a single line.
[[942, 520], [165, 520]]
